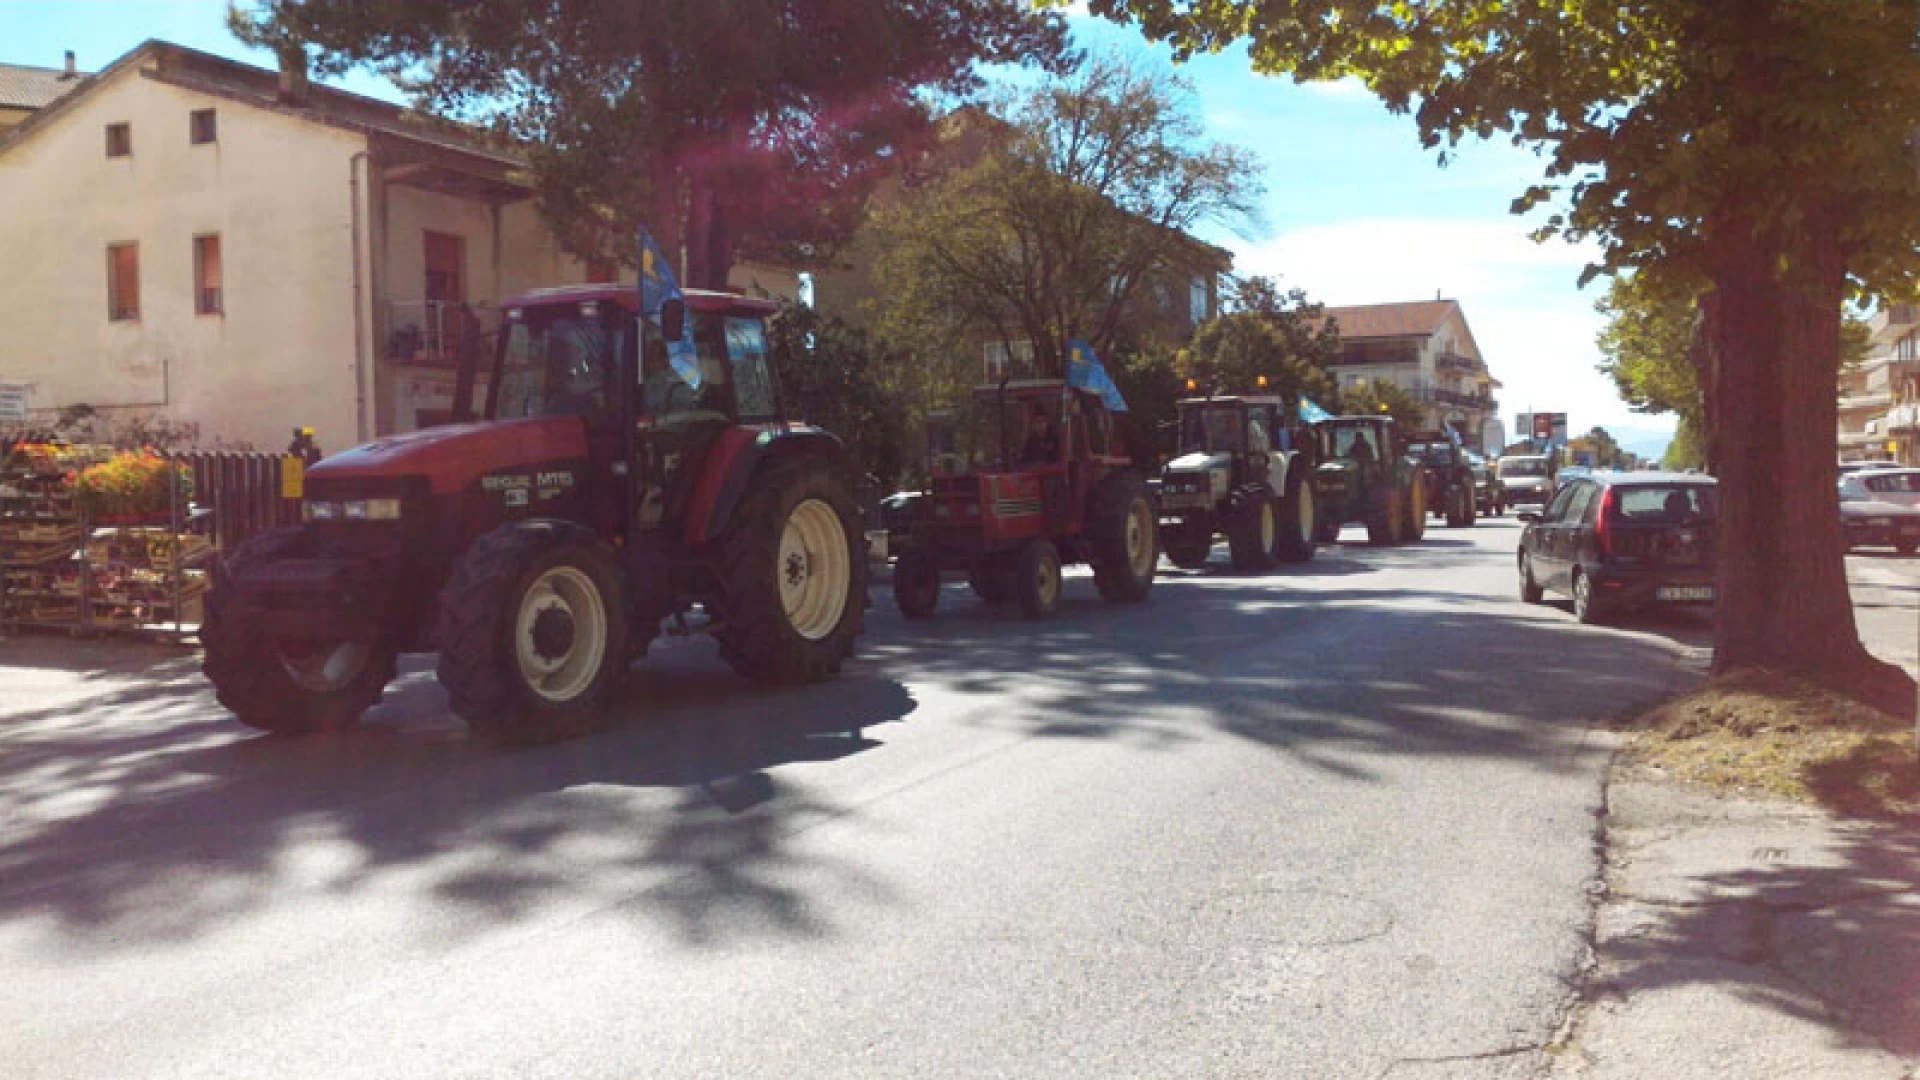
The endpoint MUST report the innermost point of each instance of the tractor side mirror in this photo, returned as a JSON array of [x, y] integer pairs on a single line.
[[673, 319]]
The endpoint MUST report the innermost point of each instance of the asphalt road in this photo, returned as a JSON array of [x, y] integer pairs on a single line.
[[1335, 821]]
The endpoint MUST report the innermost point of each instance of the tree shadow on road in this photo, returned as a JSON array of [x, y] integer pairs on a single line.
[[181, 821]]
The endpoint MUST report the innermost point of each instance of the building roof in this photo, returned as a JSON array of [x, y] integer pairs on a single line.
[[1371, 321], [23, 87], [203, 72]]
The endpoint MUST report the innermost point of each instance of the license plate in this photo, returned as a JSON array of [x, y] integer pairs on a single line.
[[1682, 594]]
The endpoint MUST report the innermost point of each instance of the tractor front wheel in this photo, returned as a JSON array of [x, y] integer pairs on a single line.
[[1124, 535], [916, 584], [1416, 510], [1189, 544], [794, 576], [1386, 515], [1036, 579], [533, 633], [1253, 532], [286, 686]]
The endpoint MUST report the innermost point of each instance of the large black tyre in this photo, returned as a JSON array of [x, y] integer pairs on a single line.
[[1123, 537], [1254, 530], [533, 633], [991, 581], [1188, 546], [916, 584], [791, 608], [1458, 516], [1327, 526], [1416, 528], [1386, 514], [1036, 579], [252, 673], [1299, 520]]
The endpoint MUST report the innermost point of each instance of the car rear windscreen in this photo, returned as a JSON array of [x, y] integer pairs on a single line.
[[1666, 504], [1523, 467], [1893, 483]]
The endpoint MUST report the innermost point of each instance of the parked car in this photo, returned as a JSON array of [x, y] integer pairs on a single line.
[[1847, 468], [1888, 483], [1525, 479], [1617, 542], [1872, 521]]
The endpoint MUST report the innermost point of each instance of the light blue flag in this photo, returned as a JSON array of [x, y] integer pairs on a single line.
[[1086, 372], [657, 286], [1311, 413]]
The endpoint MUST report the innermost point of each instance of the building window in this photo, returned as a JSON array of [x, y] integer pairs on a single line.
[[1004, 360], [123, 281], [207, 296], [119, 140], [446, 269], [1197, 296], [203, 127], [1905, 349]]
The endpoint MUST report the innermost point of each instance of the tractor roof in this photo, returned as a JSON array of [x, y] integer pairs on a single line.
[[1028, 389], [628, 297], [1233, 399]]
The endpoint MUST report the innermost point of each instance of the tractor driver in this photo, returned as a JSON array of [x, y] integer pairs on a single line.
[[1043, 441]]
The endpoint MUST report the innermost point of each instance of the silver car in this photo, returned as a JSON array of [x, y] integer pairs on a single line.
[[1525, 480]]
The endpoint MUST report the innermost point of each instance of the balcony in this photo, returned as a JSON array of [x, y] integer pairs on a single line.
[[1871, 399], [434, 335], [1453, 361]]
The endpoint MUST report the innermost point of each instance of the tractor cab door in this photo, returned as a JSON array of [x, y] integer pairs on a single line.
[[680, 416], [1263, 465], [566, 362]]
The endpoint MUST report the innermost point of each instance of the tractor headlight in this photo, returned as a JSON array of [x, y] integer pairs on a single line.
[[319, 511], [371, 509]]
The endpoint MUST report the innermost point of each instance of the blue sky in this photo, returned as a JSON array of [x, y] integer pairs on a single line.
[[1356, 211]]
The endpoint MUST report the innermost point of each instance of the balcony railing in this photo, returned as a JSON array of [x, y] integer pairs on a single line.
[[437, 335], [1869, 400], [1453, 361]]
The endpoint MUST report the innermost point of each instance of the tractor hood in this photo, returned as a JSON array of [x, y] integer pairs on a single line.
[[454, 457], [1199, 461]]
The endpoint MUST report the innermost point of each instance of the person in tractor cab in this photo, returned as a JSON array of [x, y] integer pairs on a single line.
[[1043, 441]]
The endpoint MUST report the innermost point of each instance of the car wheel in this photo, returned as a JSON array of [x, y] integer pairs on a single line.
[[1530, 590], [1586, 606]]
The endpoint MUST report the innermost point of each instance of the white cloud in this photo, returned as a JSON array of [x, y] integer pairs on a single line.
[[1534, 327]]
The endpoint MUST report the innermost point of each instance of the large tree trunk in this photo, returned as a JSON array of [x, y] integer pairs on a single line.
[[1773, 340]]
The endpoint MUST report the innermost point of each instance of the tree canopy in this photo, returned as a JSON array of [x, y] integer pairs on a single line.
[[1372, 397], [1265, 334], [741, 126], [1072, 205]]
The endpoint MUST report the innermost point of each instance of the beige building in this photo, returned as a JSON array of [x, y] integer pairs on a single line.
[[1426, 349], [1880, 400], [199, 241]]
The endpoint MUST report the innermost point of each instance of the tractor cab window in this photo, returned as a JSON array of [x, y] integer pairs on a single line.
[[1098, 438], [752, 370], [1217, 429], [667, 394], [1257, 437], [1359, 442], [560, 366]]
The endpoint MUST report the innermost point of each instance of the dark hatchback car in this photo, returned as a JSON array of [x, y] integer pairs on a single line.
[[1623, 541]]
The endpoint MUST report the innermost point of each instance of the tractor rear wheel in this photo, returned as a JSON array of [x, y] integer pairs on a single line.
[[1416, 509], [1124, 535], [287, 686], [1298, 525], [794, 576], [1254, 531], [1036, 579], [1386, 515], [916, 584], [1189, 544], [533, 633]]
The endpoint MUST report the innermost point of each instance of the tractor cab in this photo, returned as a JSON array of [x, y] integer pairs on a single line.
[[1241, 470], [1225, 442], [1366, 476]]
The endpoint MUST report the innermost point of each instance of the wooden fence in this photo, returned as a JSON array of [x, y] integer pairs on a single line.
[[247, 492]]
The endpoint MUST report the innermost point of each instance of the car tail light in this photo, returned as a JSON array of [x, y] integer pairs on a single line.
[[1604, 528]]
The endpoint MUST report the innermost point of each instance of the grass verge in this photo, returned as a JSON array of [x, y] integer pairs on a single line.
[[1756, 732]]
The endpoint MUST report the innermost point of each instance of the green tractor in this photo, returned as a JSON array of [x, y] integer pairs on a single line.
[[1365, 476]]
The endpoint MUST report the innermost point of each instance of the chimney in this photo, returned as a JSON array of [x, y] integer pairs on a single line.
[[293, 74], [71, 72]]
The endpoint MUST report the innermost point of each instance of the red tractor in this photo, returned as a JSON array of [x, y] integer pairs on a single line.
[[1027, 481], [589, 490]]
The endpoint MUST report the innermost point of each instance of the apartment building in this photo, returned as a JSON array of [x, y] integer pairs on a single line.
[[1427, 349]]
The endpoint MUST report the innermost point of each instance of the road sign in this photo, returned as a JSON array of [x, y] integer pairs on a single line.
[[13, 401]]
